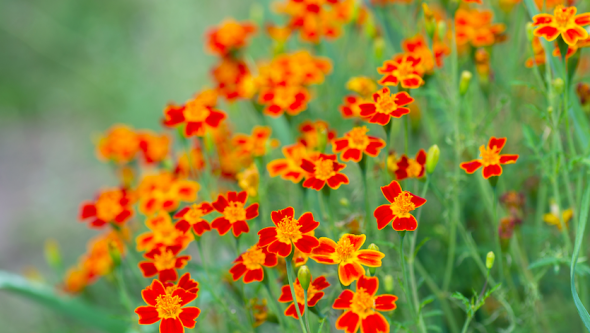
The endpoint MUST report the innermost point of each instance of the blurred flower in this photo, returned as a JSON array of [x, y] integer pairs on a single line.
[[491, 159], [564, 22], [475, 27], [162, 232], [347, 255], [555, 217], [233, 79], [315, 135], [289, 232], [411, 167], [164, 191], [361, 307], [164, 261], [405, 68], [385, 106], [154, 147], [249, 264], [583, 92], [361, 85], [120, 144], [189, 162], [259, 311], [325, 169], [429, 59], [229, 37], [249, 180], [399, 208], [355, 143], [192, 216], [234, 214], [351, 107], [256, 144], [314, 294], [111, 206], [289, 168], [198, 114]]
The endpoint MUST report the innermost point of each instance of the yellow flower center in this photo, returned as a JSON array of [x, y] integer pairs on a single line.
[[235, 212], [386, 104], [168, 306], [193, 215], [357, 138], [414, 168], [165, 260], [489, 156], [362, 303], [324, 169], [253, 258], [288, 230], [402, 204], [230, 33], [108, 206], [195, 111], [562, 17], [345, 250], [404, 69]]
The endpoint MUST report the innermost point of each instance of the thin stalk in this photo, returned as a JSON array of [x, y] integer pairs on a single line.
[[306, 311], [402, 259], [291, 278], [406, 133], [497, 233]]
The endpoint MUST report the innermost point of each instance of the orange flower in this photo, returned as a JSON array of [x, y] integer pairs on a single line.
[[404, 68], [360, 307], [193, 161], [229, 37], [417, 47], [168, 308], [347, 255], [163, 261], [256, 144], [249, 264], [399, 208], [154, 147], [314, 295], [351, 107], [76, 279], [290, 99], [410, 167], [491, 159], [193, 216], [314, 133], [385, 106], [162, 233], [120, 144], [361, 85], [113, 205], [164, 191], [249, 180], [355, 142], [289, 168], [325, 169], [197, 114], [564, 22], [549, 4], [475, 27], [234, 214], [289, 232], [233, 79]]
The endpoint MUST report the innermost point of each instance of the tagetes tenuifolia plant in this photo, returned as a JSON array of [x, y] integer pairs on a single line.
[[308, 112]]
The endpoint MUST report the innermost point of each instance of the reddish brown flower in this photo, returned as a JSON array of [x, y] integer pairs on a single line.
[[411, 167], [192, 216]]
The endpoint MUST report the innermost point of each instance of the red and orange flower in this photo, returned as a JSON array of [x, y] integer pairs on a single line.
[[163, 261], [289, 168], [385, 106], [315, 134], [355, 143], [324, 169], [111, 206], [347, 255], [429, 59], [403, 68], [249, 264], [192, 216], [361, 307], [564, 22], [475, 27], [411, 167], [198, 115], [168, 308], [289, 232], [491, 159], [120, 144], [399, 208], [235, 215], [154, 147], [164, 191], [255, 144], [229, 37], [314, 295], [162, 233]]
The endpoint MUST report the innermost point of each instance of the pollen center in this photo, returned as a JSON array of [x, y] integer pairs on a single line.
[[489, 156], [357, 137], [195, 111], [562, 16], [345, 250], [362, 303], [386, 104], [402, 204], [414, 168], [235, 212], [403, 69], [253, 258], [324, 169], [193, 215], [288, 230], [108, 206], [165, 260], [168, 306]]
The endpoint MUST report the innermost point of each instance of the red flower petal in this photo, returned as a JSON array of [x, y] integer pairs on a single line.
[[87, 210], [391, 191], [417, 201], [147, 315], [168, 275], [338, 179], [508, 159], [403, 98], [492, 170], [385, 302], [171, 325], [351, 154], [496, 143], [367, 109], [404, 223], [220, 204], [222, 225], [369, 284], [188, 316], [380, 118], [200, 227], [307, 223], [384, 215], [280, 248], [350, 272], [344, 300], [339, 145], [152, 292], [307, 243], [252, 211], [374, 323], [237, 271], [370, 258], [349, 322], [254, 275], [148, 269], [471, 166], [240, 227], [279, 215], [267, 236]]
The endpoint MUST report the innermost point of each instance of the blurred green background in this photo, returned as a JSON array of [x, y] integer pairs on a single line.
[[68, 70]]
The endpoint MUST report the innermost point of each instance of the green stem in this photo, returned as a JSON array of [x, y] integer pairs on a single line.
[[291, 278], [306, 311], [466, 325], [498, 242], [406, 133], [402, 259]]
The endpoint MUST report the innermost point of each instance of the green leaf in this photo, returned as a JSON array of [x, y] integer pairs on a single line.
[[579, 236], [69, 306]]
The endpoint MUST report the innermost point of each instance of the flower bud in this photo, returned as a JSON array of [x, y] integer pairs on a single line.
[[529, 31], [115, 253], [378, 47], [344, 202], [388, 283], [373, 247], [52, 254], [550, 109], [441, 29], [558, 85], [429, 21], [464, 83], [432, 158], [490, 260], [304, 276]]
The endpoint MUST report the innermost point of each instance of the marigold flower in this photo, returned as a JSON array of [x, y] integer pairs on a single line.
[[325, 169], [233, 79], [154, 148], [314, 295], [475, 27], [192, 216], [163, 261], [564, 22], [259, 311], [169, 309], [249, 264], [360, 307], [411, 167], [355, 142], [163, 191], [229, 36], [289, 168], [491, 159], [188, 162], [352, 106], [290, 99], [249, 180], [76, 279], [162, 233], [197, 114], [403, 68], [553, 217], [231, 206], [289, 232], [315, 134], [112, 205], [399, 208], [347, 255], [186, 283], [120, 144], [257, 143], [429, 59], [385, 106]]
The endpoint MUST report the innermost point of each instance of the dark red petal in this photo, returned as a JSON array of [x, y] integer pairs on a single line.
[[188, 316], [171, 325], [369, 284], [240, 227], [404, 223], [384, 215], [307, 243], [267, 236], [391, 191], [349, 322], [222, 225], [307, 223], [374, 323], [385, 302], [147, 315]]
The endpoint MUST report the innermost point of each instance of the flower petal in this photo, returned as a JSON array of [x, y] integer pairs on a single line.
[[279, 215], [307, 243], [369, 284], [237, 271], [267, 236], [280, 248], [171, 325], [343, 301], [350, 272], [370, 258], [240, 227], [222, 225], [391, 191], [252, 211], [374, 323], [384, 215], [385, 302], [408, 223], [188, 316], [147, 315], [492, 170], [307, 223], [471, 166], [508, 159], [254, 275], [349, 322]]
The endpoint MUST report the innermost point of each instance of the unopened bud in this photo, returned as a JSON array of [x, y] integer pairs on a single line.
[[114, 253], [441, 29], [52, 253], [432, 158], [490, 260], [529, 31], [464, 83], [378, 47], [550, 109], [388, 283], [304, 276], [558, 85], [429, 21], [344, 202], [373, 247]]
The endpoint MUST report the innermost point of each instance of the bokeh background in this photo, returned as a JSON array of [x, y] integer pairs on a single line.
[[68, 70]]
